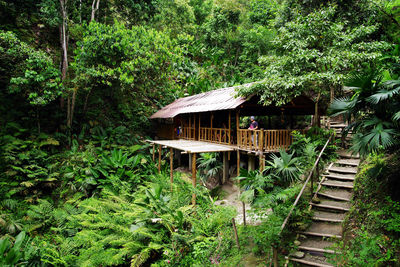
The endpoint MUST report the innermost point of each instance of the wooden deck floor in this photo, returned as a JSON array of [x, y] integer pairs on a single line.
[[192, 146]]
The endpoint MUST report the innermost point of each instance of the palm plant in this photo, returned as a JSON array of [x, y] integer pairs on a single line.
[[376, 108], [210, 165], [284, 167]]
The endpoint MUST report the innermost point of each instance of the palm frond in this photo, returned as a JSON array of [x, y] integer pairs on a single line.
[[382, 95], [396, 116]]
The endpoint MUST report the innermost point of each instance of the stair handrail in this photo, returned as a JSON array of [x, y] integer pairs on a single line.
[[305, 184]]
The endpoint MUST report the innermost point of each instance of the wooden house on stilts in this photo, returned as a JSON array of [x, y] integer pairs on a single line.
[[211, 122]]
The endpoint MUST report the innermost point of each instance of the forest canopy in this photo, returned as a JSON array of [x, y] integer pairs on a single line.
[[79, 80]]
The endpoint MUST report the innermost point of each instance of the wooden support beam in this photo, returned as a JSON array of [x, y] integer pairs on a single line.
[[251, 163], [225, 168], [154, 152], [159, 158], [171, 165], [194, 177], [229, 128], [237, 128], [238, 163], [261, 162], [199, 127], [190, 126]]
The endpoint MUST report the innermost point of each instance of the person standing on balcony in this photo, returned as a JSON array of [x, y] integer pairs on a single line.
[[253, 124]]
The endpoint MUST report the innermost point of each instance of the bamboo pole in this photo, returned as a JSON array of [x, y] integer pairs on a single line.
[[211, 122], [229, 128], [244, 213], [199, 126], [154, 152], [237, 128], [159, 158], [190, 126], [194, 177], [238, 162], [171, 166], [236, 234]]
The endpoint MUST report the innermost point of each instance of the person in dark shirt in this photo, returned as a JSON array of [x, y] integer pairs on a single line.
[[253, 124]]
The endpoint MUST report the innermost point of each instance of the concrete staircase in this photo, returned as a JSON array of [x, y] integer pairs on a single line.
[[329, 209], [338, 127]]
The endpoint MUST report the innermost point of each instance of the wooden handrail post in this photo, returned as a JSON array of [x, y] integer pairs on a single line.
[[199, 125], [194, 177], [236, 234], [159, 158], [237, 128], [229, 127], [171, 166]]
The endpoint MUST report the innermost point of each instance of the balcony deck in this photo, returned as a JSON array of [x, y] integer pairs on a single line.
[[264, 141], [193, 146]]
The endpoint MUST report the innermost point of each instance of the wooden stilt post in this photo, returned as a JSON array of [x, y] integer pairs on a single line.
[[261, 162], [171, 165], [238, 162], [154, 152], [225, 168], [194, 177], [159, 158]]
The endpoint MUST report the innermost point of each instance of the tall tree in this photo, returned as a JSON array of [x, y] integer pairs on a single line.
[[313, 55]]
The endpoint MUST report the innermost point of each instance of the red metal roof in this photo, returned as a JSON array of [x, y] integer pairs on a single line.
[[220, 99]]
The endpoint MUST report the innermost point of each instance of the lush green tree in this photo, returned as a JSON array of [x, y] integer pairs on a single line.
[[313, 55], [136, 67]]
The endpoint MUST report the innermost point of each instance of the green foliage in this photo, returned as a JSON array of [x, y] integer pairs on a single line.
[[27, 163], [210, 165], [31, 73], [136, 65], [374, 104], [314, 52], [17, 252], [284, 168]]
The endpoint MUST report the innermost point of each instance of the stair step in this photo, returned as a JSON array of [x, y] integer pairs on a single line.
[[343, 170], [349, 162], [311, 262], [338, 184], [341, 125], [347, 155], [329, 207], [333, 196], [339, 177], [317, 249], [321, 234], [327, 220], [337, 192], [329, 215]]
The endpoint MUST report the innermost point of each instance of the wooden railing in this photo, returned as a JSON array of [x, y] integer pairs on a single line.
[[216, 135], [188, 133], [265, 140]]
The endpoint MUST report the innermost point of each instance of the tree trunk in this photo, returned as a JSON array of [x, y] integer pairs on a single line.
[[316, 121], [64, 46], [95, 7]]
